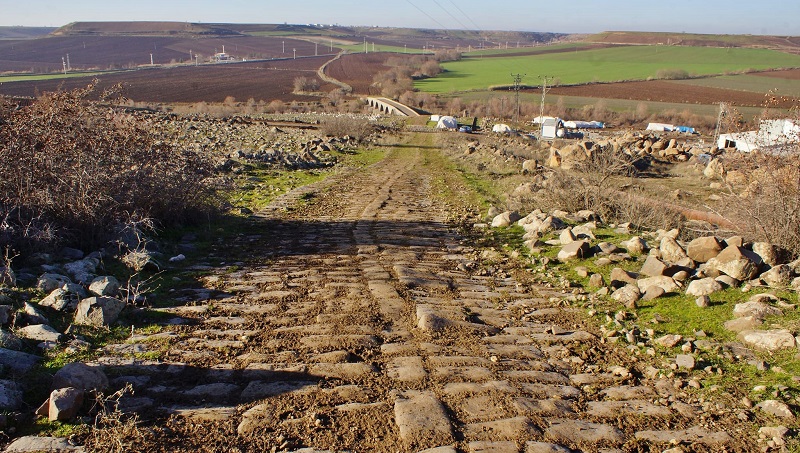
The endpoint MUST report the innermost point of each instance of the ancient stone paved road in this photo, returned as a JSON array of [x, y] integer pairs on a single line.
[[365, 329]]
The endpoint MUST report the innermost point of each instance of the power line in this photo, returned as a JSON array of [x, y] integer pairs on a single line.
[[450, 14], [477, 27], [429, 16], [517, 86]]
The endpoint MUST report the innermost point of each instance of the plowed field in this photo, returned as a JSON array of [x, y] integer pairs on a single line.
[[266, 81], [358, 70], [664, 91]]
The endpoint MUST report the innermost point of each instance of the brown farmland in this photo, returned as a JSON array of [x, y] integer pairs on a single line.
[[665, 91], [115, 52], [358, 70], [266, 80]]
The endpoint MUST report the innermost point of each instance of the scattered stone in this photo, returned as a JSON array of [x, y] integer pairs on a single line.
[[98, 311], [653, 267], [703, 301], [48, 282], [767, 252], [40, 332], [567, 237], [80, 376], [685, 361], [627, 295], [31, 444], [10, 395], [671, 251], [736, 262], [596, 281], [635, 245], [653, 292], [65, 403], [669, 341], [574, 250], [703, 249], [544, 447], [104, 286], [33, 315], [505, 219], [60, 299], [620, 277], [703, 287], [742, 324], [779, 276], [768, 340], [776, 408], [17, 362], [668, 284], [756, 309]]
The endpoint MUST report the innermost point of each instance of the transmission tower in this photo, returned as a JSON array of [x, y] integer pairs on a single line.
[[541, 110], [517, 86]]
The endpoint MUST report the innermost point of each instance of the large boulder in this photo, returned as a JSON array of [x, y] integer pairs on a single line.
[[65, 403], [671, 251], [768, 340], [767, 252], [104, 286], [505, 219], [736, 262], [703, 249], [635, 245], [703, 287], [98, 311], [82, 271], [755, 309], [628, 295], [48, 282], [574, 250], [653, 267], [80, 376], [40, 332], [10, 395], [620, 277], [60, 299], [779, 276], [668, 284], [714, 170]]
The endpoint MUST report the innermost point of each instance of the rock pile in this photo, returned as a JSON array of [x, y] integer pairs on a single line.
[[699, 268]]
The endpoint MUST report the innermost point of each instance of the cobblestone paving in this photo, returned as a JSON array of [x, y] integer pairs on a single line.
[[366, 329]]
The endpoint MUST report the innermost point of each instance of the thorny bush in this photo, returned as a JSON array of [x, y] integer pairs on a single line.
[[71, 168]]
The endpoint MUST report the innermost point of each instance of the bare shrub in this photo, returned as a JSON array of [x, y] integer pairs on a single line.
[[305, 84], [672, 74], [113, 430], [77, 167], [768, 209], [343, 125]]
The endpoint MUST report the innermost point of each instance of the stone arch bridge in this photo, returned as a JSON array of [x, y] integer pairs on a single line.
[[390, 107]]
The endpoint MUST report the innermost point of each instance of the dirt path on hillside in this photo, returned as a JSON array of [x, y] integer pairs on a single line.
[[364, 321]]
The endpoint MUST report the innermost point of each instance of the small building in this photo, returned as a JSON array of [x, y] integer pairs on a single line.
[[552, 128], [772, 136]]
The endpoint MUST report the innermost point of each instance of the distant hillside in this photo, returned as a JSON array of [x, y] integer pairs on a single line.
[[24, 32], [782, 43], [143, 29]]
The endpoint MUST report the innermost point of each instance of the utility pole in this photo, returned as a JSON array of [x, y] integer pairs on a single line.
[[723, 110], [517, 84], [151, 59], [64, 64], [316, 47], [283, 43], [294, 54], [541, 110], [69, 66]]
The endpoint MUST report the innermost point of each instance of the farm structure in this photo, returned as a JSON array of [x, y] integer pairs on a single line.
[[772, 136]]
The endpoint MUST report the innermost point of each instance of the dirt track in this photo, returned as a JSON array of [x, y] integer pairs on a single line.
[[365, 321]]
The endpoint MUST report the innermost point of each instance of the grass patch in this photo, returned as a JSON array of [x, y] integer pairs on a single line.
[[603, 65]]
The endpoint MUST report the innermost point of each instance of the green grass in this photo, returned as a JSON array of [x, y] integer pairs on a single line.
[[601, 65], [53, 76]]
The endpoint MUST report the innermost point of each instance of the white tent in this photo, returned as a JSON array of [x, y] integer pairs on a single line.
[[660, 127], [447, 122], [501, 128], [583, 125]]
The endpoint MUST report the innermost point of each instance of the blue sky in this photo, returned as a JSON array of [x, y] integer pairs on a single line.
[[770, 17]]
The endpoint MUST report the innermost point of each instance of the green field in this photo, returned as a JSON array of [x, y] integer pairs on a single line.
[[601, 65], [749, 82], [60, 75]]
